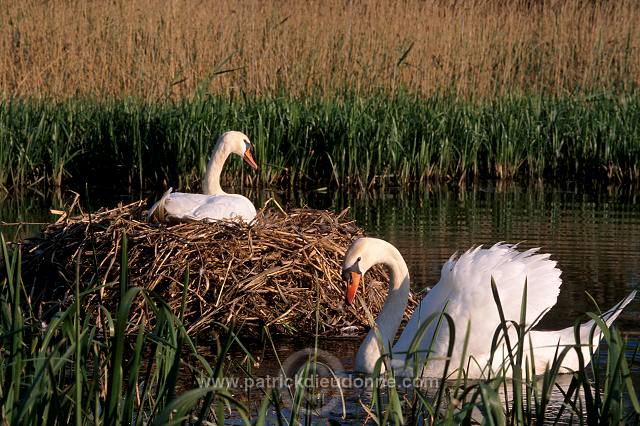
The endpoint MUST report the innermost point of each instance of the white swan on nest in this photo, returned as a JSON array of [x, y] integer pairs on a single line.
[[214, 203], [464, 292]]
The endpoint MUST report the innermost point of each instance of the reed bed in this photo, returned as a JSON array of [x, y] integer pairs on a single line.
[[282, 272], [156, 50], [357, 142]]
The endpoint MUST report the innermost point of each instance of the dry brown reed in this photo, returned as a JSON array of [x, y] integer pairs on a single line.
[[157, 49], [281, 272]]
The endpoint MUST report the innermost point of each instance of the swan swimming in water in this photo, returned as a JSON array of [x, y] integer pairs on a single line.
[[214, 203], [464, 292]]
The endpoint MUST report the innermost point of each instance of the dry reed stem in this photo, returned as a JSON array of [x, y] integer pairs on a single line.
[[272, 273], [158, 49]]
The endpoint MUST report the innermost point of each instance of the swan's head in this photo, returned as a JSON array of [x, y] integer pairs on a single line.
[[365, 253], [238, 143], [361, 256]]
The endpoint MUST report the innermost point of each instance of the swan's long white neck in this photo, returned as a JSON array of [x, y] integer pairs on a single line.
[[390, 316], [211, 181]]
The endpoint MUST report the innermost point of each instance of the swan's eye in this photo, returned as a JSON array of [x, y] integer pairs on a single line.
[[358, 259], [353, 268]]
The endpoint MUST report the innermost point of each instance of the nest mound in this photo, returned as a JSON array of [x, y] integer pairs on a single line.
[[282, 271]]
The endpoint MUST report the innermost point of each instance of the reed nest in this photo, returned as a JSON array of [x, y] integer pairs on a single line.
[[281, 272]]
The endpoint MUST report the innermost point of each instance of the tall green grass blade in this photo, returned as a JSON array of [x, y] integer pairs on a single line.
[[261, 418], [124, 267], [114, 391], [17, 361], [77, 359], [132, 376], [493, 414], [178, 411]]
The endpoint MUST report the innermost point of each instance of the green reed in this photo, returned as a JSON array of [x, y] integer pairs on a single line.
[[374, 141], [67, 371]]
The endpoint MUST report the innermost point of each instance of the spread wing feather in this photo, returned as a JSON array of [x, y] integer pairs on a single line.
[[464, 291]]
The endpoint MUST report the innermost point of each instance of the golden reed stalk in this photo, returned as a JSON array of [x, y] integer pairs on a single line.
[[158, 49]]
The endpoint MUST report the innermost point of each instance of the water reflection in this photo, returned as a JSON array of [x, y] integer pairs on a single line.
[[22, 214]]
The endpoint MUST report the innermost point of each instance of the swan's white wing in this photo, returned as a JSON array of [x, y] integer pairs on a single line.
[[157, 210], [180, 206], [176, 206], [465, 289], [228, 206]]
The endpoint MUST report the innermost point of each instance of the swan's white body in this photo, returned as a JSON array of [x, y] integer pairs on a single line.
[[464, 292], [214, 204]]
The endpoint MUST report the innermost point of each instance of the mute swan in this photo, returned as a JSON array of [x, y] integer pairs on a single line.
[[214, 204], [464, 292]]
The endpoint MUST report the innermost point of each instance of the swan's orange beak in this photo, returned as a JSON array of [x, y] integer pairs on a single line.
[[353, 280], [248, 158]]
